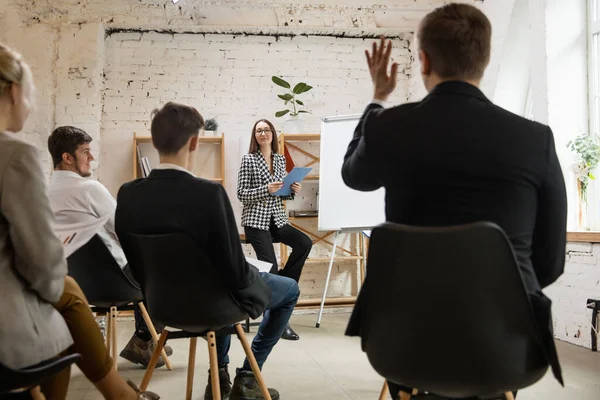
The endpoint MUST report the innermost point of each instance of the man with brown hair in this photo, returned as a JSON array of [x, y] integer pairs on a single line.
[[171, 199], [455, 157]]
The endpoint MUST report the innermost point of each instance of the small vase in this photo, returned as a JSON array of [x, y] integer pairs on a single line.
[[582, 223], [294, 125]]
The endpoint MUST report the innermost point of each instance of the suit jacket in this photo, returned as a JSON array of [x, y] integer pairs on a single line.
[[170, 200], [456, 158], [32, 266], [252, 190]]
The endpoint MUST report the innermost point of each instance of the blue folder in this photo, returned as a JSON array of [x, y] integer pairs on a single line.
[[295, 175]]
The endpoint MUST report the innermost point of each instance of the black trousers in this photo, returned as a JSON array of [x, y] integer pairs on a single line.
[[262, 243], [395, 389]]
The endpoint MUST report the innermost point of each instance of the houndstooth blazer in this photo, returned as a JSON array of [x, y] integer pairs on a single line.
[[252, 191]]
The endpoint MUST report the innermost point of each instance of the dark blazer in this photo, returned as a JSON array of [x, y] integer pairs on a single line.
[[456, 158], [252, 190], [175, 201]]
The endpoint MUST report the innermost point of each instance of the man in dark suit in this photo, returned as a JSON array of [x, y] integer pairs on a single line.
[[455, 157], [172, 199]]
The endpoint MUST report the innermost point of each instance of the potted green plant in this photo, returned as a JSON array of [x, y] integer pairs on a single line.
[[587, 151], [210, 127], [295, 106]]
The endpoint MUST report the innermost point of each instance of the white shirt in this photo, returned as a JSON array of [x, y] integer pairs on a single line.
[[84, 206], [173, 166]]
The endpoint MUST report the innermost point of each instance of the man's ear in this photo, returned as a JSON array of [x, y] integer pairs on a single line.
[[425, 63], [193, 143], [67, 158]]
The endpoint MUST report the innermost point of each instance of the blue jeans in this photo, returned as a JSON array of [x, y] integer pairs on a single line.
[[284, 295]]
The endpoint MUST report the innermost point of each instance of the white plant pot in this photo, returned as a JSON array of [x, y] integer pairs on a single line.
[[294, 125], [210, 133]]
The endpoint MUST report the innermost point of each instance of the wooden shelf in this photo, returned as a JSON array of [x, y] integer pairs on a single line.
[[586, 237], [301, 137], [337, 258], [211, 151], [201, 139], [329, 302], [312, 178]]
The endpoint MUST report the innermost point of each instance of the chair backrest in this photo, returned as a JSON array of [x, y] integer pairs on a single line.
[[446, 311], [182, 287], [100, 277], [11, 379]]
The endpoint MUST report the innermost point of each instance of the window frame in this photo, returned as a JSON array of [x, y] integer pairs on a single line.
[[593, 59]]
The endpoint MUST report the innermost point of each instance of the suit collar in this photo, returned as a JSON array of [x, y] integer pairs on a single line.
[[169, 174], [458, 87]]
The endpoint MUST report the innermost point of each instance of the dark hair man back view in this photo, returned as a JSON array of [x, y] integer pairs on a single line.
[[455, 157], [171, 199]]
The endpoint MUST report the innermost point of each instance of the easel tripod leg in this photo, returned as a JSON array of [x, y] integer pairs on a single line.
[[327, 279]]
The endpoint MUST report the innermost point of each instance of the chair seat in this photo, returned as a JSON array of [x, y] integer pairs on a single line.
[[11, 379]]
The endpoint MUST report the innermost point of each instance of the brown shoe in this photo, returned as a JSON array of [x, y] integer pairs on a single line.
[[143, 395], [140, 352]]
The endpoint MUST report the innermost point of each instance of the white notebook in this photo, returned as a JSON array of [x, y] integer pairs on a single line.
[[262, 266]]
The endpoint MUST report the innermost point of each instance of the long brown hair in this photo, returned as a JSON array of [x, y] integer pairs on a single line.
[[254, 147]]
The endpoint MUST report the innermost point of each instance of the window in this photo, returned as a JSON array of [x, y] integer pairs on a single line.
[[594, 101], [594, 65]]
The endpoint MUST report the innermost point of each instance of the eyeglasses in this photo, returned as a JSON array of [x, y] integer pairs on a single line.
[[265, 131]]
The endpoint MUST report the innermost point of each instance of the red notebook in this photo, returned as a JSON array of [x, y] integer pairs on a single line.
[[289, 163]]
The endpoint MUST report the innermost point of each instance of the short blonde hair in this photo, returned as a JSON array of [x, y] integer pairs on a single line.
[[12, 69]]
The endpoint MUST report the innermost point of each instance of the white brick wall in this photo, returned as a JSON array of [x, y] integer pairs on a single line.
[[227, 77], [581, 281]]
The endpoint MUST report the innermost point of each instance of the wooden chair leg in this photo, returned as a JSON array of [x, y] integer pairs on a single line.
[[108, 321], [113, 317], [191, 368], [509, 396], [214, 365], [36, 393], [152, 330], [250, 356], [384, 391], [154, 360], [405, 396]]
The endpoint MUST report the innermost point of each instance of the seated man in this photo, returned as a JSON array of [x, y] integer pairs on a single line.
[[77, 200], [456, 158], [172, 199]]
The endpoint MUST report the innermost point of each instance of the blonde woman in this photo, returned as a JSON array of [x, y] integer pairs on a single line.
[[44, 312]]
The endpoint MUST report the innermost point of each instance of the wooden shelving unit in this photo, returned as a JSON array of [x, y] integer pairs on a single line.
[[209, 163], [290, 141]]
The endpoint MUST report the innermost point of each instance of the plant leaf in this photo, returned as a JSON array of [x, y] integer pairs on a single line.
[[280, 82], [304, 111], [286, 96], [298, 88], [304, 89], [281, 113], [299, 102]]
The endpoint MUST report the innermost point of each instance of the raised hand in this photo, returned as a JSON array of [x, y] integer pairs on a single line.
[[383, 83]]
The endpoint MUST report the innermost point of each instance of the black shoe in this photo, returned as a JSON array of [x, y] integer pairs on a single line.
[[245, 387], [224, 383], [289, 334]]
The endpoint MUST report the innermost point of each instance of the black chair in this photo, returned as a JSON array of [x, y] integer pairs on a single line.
[[108, 289], [184, 291], [446, 312], [16, 383]]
